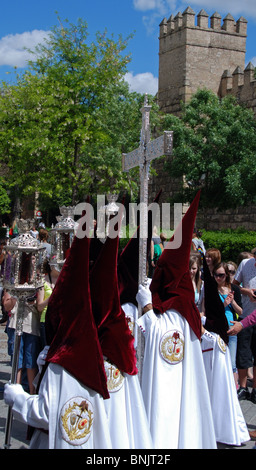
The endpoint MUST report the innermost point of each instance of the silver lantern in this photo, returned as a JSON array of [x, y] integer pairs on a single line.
[[104, 215], [62, 235], [23, 275]]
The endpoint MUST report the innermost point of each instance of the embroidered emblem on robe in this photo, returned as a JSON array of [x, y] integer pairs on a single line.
[[115, 378], [222, 345], [76, 421], [172, 347], [131, 323]]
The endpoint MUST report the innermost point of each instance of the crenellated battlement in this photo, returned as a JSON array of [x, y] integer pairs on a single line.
[[187, 19], [241, 84]]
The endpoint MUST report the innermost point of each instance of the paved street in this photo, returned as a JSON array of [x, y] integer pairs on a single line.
[[18, 439]]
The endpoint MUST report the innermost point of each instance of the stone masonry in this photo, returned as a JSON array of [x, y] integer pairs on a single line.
[[195, 54]]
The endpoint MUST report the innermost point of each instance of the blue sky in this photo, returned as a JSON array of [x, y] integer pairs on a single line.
[[23, 23]]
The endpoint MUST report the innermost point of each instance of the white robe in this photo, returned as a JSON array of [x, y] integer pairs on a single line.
[[128, 423], [119, 422], [230, 426], [55, 410], [176, 395]]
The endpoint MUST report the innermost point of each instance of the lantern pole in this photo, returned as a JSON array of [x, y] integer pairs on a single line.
[[13, 380]]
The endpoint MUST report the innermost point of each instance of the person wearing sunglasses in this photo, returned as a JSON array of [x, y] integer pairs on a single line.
[[232, 267], [231, 298]]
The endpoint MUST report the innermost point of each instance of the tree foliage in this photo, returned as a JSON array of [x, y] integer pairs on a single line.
[[215, 151], [4, 196], [67, 119]]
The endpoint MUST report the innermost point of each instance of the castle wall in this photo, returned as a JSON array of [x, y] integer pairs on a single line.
[[231, 218], [203, 53], [241, 84]]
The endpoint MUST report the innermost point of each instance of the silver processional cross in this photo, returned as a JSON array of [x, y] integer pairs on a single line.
[[142, 156]]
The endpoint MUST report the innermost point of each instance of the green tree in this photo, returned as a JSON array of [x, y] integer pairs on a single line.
[[5, 201], [67, 120], [215, 151]]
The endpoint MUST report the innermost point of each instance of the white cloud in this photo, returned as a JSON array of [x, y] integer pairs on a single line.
[[160, 6], [12, 47], [142, 82], [144, 5]]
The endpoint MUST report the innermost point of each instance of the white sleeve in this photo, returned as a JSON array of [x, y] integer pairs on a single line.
[[33, 409], [238, 275], [146, 321]]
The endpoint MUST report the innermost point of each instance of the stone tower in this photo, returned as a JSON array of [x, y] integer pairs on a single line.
[[193, 56], [204, 53]]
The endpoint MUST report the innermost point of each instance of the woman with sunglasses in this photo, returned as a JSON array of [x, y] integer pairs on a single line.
[[231, 299], [232, 268]]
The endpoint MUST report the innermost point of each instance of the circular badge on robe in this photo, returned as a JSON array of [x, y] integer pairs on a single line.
[[172, 346], [76, 421], [115, 378], [222, 345]]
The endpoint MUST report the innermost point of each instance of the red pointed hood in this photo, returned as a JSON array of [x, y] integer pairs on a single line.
[[95, 247], [70, 326], [128, 263], [171, 285], [115, 337], [216, 319]]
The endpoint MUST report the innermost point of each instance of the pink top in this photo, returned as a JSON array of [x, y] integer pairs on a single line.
[[250, 320]]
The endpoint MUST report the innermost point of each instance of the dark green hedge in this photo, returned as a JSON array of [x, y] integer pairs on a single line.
[[230, 242]]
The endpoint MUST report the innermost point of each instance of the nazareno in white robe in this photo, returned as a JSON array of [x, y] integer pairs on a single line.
[[119, 422], [176, 395], [128, 423], [230, 426], [56, 410], [129, 428]]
